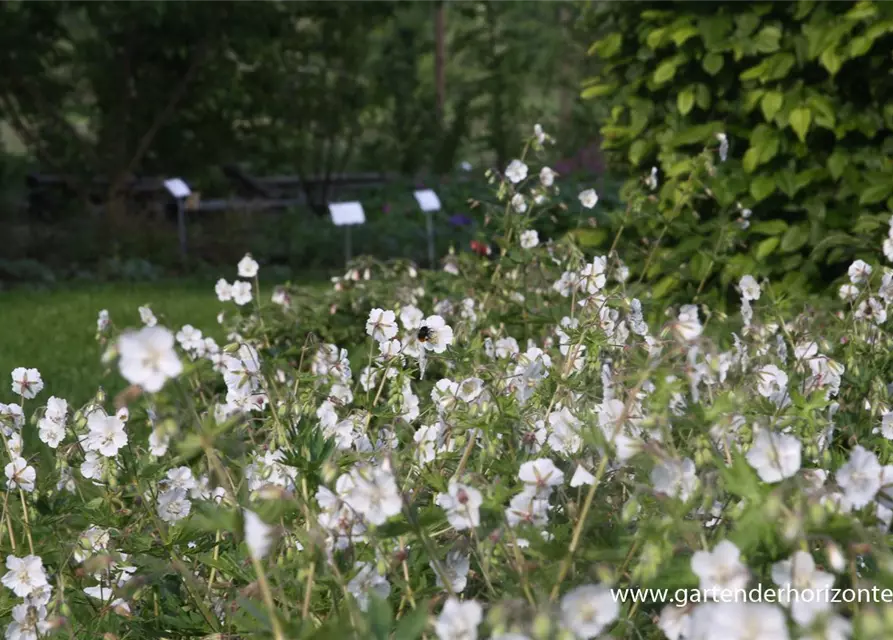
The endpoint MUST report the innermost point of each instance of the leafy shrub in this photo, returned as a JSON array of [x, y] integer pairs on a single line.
[[804, 94], [505, 442]]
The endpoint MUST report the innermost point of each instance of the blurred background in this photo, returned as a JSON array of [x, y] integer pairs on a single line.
[[269, 110]]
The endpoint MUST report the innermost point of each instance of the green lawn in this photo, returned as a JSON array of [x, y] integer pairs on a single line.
[[54, 331]]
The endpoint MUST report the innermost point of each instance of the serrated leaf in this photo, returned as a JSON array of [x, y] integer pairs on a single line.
[[800, 119]]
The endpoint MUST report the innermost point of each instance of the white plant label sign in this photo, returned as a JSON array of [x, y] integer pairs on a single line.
[[177, 188], [346, 213], [428, 200]]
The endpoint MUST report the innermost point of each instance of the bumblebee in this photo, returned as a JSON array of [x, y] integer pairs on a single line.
[[424, 334]]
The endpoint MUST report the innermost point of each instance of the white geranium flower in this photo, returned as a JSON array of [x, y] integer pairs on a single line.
[[51, 432], [106, 434], [456, 567], [848, 292], [24, 575], [148, 358], [530, 239], [147, 317], [367, 581], [516, 171], [381, 325], [860, 477], [435, 334], [581, 477], [547, 177], [458, 620], [258, 534], [375, 494], [588, 198], [224, 290], [775, 456], [20, 475], [462, 504], [26, 382], [721, 568], [749, 287], [739, 620], [723, 146], [527, 508], [688, 325], [675, 478], [242, 292], [519, 204], [540, 476], [799, 574], [588, 610], [173, 505], [859, 272], [247, 267]]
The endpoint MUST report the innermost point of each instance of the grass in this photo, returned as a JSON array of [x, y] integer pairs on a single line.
[[54, 331]]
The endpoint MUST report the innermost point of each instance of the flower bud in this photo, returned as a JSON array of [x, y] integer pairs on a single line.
[[836, 559]]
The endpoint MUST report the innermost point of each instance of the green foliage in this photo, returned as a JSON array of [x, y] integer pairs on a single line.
[[803, 92]]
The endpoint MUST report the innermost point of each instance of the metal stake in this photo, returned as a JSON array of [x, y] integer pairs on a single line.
[[429, 222], [347, 245], [181, 226]]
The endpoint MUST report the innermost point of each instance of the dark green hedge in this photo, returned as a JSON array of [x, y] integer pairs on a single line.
[[804, 91]]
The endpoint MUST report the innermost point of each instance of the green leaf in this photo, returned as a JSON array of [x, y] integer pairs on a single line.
[[771, 103], [685, 100], [799, 120], [751, 159], [665, 71], [767, 39], [770, 227], [379, 617], [664, 286], [712, 63], [637, 151], [794, 238], [837, 162], [608, 46], [762, 187], [766, 247], [597, 90], [876, 192], [413, 624], [831, 60], [682, 34]]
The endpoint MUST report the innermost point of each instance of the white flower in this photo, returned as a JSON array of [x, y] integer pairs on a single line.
[[456, 568], [158, 443], [147, 317], [581, 477], [848, 292], [411, 318], [224, 290], [258, 534], [588, 198], [799, 573], [173, 505], [527, 508], [772, 383], [381, 325], [458, 620], [539, 134], [57, 409], [435, 334], [519, 204], [675, 622], [51, 432], [651, 181], [547, 177], [148, 358], [775, 456], [738, 621], [530, 239], [91, 468], [688, 325], [462, 504], [26, 382], [860, 477], [28, 622], [750, 288], [102, 321], [588, 610], [720, 569], [675, 478], [24, 575], [241, 292], [106, 434], [367, 581], [871, 309], [375, 494], [20, 474], [723, 146], [190, 338], [859, 272], [516, 171], [506, 348], [540, 476], [247, 267]]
